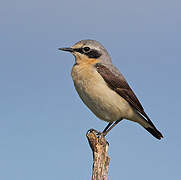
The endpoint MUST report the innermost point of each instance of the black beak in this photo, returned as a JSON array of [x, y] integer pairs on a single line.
[[66, 49]]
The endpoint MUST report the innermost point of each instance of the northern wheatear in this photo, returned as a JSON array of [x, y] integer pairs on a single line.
[[104, 89]]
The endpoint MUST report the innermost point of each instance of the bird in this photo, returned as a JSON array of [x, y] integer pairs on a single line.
[[103, 89]]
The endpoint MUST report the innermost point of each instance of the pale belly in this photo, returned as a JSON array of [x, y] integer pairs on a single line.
[[100, 99]]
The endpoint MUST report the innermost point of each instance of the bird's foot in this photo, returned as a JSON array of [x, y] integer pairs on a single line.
[[98, 133]]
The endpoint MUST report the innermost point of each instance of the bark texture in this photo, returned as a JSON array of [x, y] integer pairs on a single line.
[[99, 147]]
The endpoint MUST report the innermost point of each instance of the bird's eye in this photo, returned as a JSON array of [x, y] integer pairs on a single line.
[[86, 49]]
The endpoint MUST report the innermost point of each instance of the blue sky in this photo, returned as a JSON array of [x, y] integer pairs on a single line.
[[43, 121]]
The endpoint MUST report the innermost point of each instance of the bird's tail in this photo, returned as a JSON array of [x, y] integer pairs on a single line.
[[155, 132], [149, 126]]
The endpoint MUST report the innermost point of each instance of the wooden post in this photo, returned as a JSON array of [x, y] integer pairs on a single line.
[[99, 147]]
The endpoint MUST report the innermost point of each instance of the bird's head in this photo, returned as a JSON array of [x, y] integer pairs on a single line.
[[88, 50]]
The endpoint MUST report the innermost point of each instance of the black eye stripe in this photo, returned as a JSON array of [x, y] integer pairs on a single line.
[[79, 50], [91, 54]]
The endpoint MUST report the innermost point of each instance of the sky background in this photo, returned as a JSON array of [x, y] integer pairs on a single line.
[[43, 122]]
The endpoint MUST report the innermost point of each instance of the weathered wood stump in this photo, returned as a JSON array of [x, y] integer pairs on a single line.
[[99, 147]]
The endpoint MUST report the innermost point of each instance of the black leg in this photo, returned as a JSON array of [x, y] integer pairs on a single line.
[[108, 128]]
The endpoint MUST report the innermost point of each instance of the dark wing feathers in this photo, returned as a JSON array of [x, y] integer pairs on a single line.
[[119, 85]]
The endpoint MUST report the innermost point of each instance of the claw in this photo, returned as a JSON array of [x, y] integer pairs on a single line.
[[98, 133], [92, 130]]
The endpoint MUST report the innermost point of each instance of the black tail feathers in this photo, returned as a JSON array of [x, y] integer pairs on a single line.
[[157, 134]]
